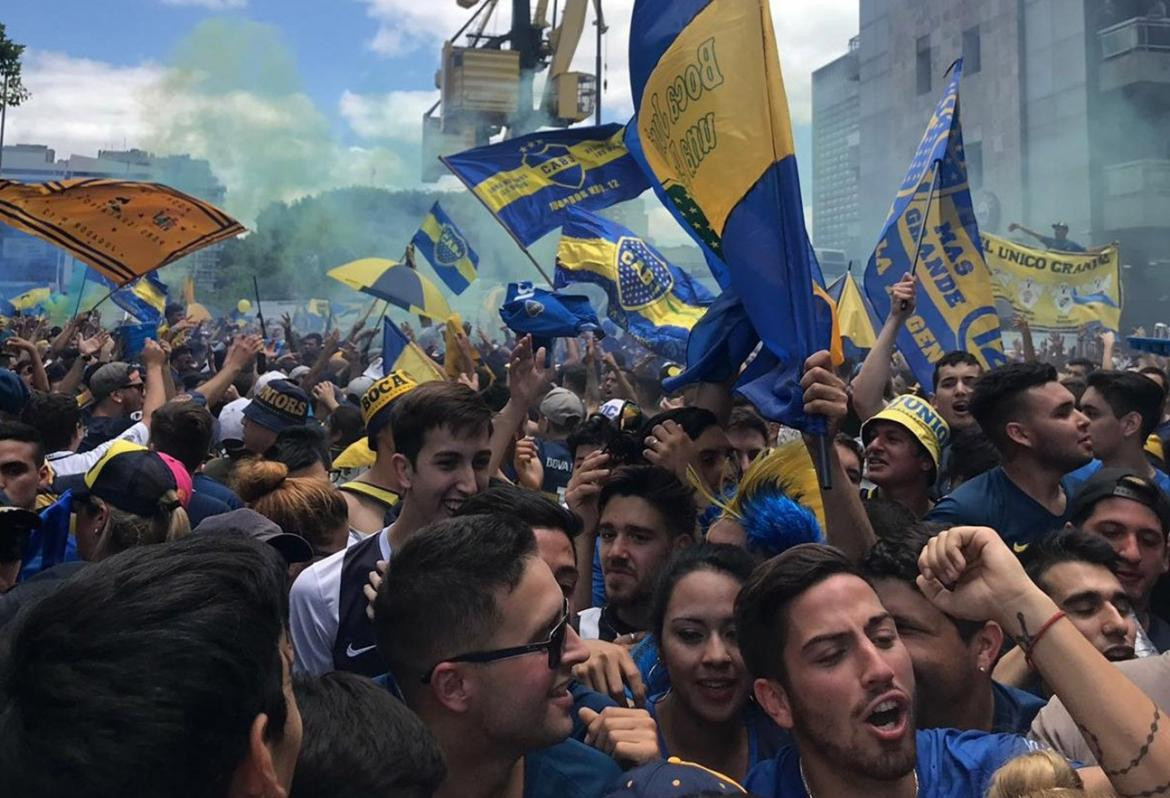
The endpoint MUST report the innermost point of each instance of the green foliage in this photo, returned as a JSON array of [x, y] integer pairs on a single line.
[[10, 53]]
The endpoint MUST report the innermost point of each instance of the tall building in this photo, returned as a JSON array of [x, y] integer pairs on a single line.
[[836, 106], [27, 261], [1064, 104]]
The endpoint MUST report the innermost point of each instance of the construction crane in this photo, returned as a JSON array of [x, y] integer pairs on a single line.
[[486, 88]]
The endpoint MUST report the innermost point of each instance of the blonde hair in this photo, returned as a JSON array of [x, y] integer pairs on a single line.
[[305, 506], [125, 530], [1035, 775]]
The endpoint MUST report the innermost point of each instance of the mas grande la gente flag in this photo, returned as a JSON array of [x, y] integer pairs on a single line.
[[1056, 290]]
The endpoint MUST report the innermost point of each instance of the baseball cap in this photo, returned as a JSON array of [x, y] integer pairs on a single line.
[[919, 417], [358, 386], [268, 377], [246, 521], [278, 405], [1059, 225], [298, 372], [132, 478], [1124, 484], [560, 405], [674, 778], [13, 392], [111, 377], [623, 414], [378, 397], [231, 421]]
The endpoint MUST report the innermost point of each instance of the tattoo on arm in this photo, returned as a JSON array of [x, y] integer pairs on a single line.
[[1095, 746], [1023, 638]]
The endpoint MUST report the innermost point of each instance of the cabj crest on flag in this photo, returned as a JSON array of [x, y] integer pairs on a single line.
[[654, 301], [121, 228], [528, 182], [447, 250], [955, 306]]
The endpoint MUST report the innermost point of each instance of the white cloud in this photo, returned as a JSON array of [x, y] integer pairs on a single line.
[[214, 5], [405, 26], [395, 116], [80, 106]]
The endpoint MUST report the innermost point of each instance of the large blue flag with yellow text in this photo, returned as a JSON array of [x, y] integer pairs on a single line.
[[446, 249], [932, 217], [653, 300], [528, 182], [712, 130], [145, 299]]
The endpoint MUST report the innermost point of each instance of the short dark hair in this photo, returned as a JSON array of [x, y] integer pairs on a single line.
[[659, 488], [315, 336], [1160, 373], [433, 405], [346, 422], [955, 358], [896, 557], [972, 453], [765, 597], [437, 598], [574, 377], [55, 416], [534, 509], [888, 517], [850, 443], [179, 351], [1067, 545], [24, 433], [136, 665], [300, 447], [998, 396], [1130, 392], [694, 420], [1083, 362], [718, 557], [597, 430], [184, 431], [746, 418], [361, 741]]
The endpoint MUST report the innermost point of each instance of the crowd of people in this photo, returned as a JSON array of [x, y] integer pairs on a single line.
[[246, 562]]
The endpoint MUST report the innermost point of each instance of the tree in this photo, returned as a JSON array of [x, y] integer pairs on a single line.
[[10, 53]]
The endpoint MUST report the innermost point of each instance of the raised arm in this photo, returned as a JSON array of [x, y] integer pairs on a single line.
[[1013, 227], [240, 356], [154, 361], [526, 382], [846, 525], [870, 383], [969, 572]]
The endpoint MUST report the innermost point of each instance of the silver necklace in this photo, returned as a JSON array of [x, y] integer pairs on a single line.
[[807, 789]]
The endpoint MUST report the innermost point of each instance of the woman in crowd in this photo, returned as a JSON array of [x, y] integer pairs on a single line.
[[311, 508], [707, 715]]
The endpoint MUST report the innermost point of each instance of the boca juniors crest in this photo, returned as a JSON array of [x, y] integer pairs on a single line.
[[556, 163], [451, 247], [643, 277]]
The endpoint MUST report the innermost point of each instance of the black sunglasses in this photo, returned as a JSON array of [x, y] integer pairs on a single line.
[[555, 646]]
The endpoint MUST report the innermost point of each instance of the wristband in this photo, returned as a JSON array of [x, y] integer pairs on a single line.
[[1036, 638]]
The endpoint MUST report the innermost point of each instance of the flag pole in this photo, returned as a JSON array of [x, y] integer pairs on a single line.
[[523, 248], [259, 308], [922, 227], [81, 291]]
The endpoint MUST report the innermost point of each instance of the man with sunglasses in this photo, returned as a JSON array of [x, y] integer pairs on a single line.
[[476, 632], [118, 391]]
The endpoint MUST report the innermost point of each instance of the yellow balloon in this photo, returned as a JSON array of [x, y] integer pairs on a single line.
[[243, 306]]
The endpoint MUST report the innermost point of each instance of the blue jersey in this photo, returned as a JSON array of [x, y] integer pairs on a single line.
[[951, 764]]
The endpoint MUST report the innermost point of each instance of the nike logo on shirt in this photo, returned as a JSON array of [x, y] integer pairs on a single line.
[[353, 653]]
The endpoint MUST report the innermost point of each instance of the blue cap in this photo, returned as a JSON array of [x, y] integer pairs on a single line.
[[673, 778], [13, 392]]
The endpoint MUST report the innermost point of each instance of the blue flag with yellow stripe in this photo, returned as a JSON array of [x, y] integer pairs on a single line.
[[145, 299], [655, 301], [446, 249], [712, 131], [528, 182], [396, 283], [931, 230]]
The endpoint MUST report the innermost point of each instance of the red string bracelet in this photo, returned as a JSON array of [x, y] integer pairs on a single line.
[[1036, 639]]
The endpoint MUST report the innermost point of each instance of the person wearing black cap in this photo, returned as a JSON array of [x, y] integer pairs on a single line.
[[372, 497], [121, 392], [247, 522], [1133, 515], [1057, 242], [277, 406]]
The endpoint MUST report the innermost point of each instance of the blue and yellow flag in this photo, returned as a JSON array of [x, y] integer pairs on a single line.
[[528, 182], [31, 299], [319, 307], [396, 283], [145, 299], [447, 250], [712, 130], [654, 301], [859, 324], [956, 309], [401, 354]]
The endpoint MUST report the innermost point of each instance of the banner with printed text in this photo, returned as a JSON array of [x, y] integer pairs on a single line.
[[1055, 290]]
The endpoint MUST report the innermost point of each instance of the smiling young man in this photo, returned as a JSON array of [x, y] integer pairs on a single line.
[[903, 448], [1041, 436], [441, 433], [830, 666], [646, 515], [477, 634], [1133, 516]]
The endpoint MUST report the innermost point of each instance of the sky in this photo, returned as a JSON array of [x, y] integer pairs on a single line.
[[290, 97]]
